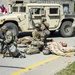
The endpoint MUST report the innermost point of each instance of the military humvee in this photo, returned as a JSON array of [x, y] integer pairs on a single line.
[[24, 16]]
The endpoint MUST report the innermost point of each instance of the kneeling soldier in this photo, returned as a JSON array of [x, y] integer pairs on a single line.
[[10, 41]]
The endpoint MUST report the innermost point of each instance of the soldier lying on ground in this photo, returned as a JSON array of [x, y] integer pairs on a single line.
[[31, 46], [39, 33], [37, 40], [10, 40], [57, 48]]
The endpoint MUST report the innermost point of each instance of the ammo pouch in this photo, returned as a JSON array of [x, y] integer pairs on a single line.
[[13, 49]]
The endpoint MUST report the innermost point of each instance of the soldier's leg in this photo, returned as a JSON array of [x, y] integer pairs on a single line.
[[32, 50], [56, 50], [68, 49]]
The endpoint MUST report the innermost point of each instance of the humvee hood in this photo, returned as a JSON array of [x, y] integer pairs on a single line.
[[12, 16]]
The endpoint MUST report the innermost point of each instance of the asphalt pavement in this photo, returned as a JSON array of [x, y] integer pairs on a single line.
[[37, 64]]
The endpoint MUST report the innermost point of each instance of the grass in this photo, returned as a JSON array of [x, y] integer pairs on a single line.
[[69, 70]]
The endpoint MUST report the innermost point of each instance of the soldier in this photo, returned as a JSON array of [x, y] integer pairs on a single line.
[[10, 41], [34, 44], [38, 34], [35, 33], [37, 43], [23, 40], [45, 27], [34, 47], [58, 48]]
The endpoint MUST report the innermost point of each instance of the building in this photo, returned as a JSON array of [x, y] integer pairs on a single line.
[[68, 5]]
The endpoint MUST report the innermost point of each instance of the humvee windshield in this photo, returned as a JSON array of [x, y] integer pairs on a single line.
[[19, 9], [15, 9], [22, 9], [53, 10]]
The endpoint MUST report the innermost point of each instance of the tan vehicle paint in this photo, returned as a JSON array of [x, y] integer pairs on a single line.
[[25, 16]]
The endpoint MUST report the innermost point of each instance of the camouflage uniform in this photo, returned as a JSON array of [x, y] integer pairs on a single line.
[[34, 47], [38, 34], [45, 28], [58, 49], [32, 50], [36, 41], [10, 41], [25, 40], [35, 33]]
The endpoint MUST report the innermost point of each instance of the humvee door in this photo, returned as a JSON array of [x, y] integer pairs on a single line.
[[53, 16]]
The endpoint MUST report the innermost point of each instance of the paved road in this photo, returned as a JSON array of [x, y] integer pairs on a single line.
[[37, 64]]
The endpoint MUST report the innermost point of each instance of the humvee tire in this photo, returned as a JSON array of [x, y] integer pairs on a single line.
[[66, 29], [12, 27]]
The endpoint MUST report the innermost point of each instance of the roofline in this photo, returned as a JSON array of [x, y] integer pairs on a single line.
[[42, 4]]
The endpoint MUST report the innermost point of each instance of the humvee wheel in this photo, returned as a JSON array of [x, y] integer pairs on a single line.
[[66, 29], [12, 27]]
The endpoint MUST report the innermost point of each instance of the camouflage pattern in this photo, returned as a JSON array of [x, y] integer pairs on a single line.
[[42, 36], [32, 50], [58, 49], [8, 37], [36, 32], [45, 28], [55, 49], [39, 35], [36, 35], [3, 29], [41, 32], [24, 40], [68, 49], [10, 41], [35, 47], [39, 44]]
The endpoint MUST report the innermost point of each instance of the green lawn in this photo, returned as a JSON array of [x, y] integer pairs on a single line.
[[69, 70]]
